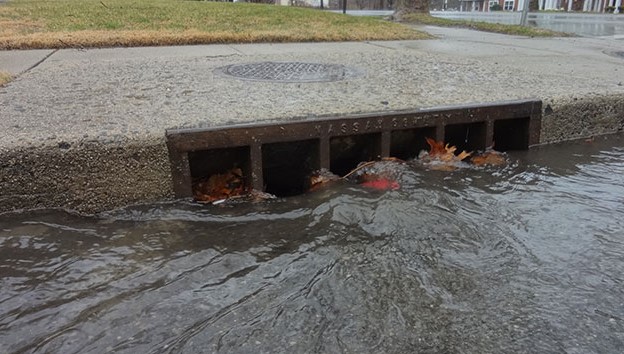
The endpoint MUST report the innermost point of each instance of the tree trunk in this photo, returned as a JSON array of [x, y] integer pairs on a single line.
[[410, 6]]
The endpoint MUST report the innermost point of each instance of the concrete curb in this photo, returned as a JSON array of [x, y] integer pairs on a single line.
[[91, 177], [85, 130], [578, 118]]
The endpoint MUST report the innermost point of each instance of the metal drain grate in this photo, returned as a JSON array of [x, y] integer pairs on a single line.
[[272, 155], [289, 71]]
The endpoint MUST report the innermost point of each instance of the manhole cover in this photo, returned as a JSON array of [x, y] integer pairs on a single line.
[[289, 71]]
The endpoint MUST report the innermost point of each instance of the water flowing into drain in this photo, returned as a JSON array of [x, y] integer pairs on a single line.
[[278, 158], [521, 259]]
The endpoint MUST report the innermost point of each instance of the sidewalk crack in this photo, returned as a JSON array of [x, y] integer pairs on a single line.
[[39, 62]]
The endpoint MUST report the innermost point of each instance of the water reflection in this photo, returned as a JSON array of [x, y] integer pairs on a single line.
[[527, 258], [589, 25]]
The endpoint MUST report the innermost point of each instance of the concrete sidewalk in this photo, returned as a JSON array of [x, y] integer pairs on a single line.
[[85, 129]]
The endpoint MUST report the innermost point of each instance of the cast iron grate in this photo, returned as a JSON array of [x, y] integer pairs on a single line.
[[277, 157], [289, 71]]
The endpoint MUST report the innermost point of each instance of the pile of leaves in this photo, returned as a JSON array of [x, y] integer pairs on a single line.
[[442, 157], [381, 175], [228, 186], [220, 186], [377, 175]]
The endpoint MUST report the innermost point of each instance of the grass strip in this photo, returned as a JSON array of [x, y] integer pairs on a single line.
[[425, 19], [28, 24]]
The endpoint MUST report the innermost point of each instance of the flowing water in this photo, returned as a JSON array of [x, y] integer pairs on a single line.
[[528, 258]]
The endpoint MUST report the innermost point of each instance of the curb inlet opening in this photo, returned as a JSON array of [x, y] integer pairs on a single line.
[[468, 137], [346, 152], [287, 166], [511, 134], [206, 163], [407, 144]]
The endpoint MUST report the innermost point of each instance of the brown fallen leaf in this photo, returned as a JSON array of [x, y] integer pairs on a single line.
[[220, 186], [489, 157], [444, 152], [436, 148], [442, 156]]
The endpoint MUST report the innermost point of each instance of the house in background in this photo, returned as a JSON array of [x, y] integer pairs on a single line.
[[465, 5], [565, 5], [444, 5], [485, 5], [580, 5]]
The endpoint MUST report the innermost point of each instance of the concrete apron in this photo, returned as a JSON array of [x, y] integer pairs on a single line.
[[84, 130]]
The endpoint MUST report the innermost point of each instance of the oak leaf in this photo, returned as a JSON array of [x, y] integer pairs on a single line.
[[442, 156]]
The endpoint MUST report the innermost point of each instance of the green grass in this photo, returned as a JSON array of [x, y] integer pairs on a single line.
[[95, 23], [483, 26]]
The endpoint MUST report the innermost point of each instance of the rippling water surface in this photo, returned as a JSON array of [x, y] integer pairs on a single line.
[[526, 258]]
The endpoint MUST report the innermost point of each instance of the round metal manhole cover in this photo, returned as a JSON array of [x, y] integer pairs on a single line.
[[289, 71]]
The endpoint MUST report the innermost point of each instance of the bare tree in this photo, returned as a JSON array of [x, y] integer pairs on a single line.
[[404, 7]]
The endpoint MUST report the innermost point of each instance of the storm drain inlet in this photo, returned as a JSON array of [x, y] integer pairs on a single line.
[[278, 158]]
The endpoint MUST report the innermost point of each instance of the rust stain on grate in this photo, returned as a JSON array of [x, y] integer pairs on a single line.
[[266, 151]]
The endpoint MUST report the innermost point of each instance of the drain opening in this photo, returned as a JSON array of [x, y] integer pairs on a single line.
[[205, 163], [287, 166], [511, 134], [468, 136], [278, 158], [407, 144], [346, 152]]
